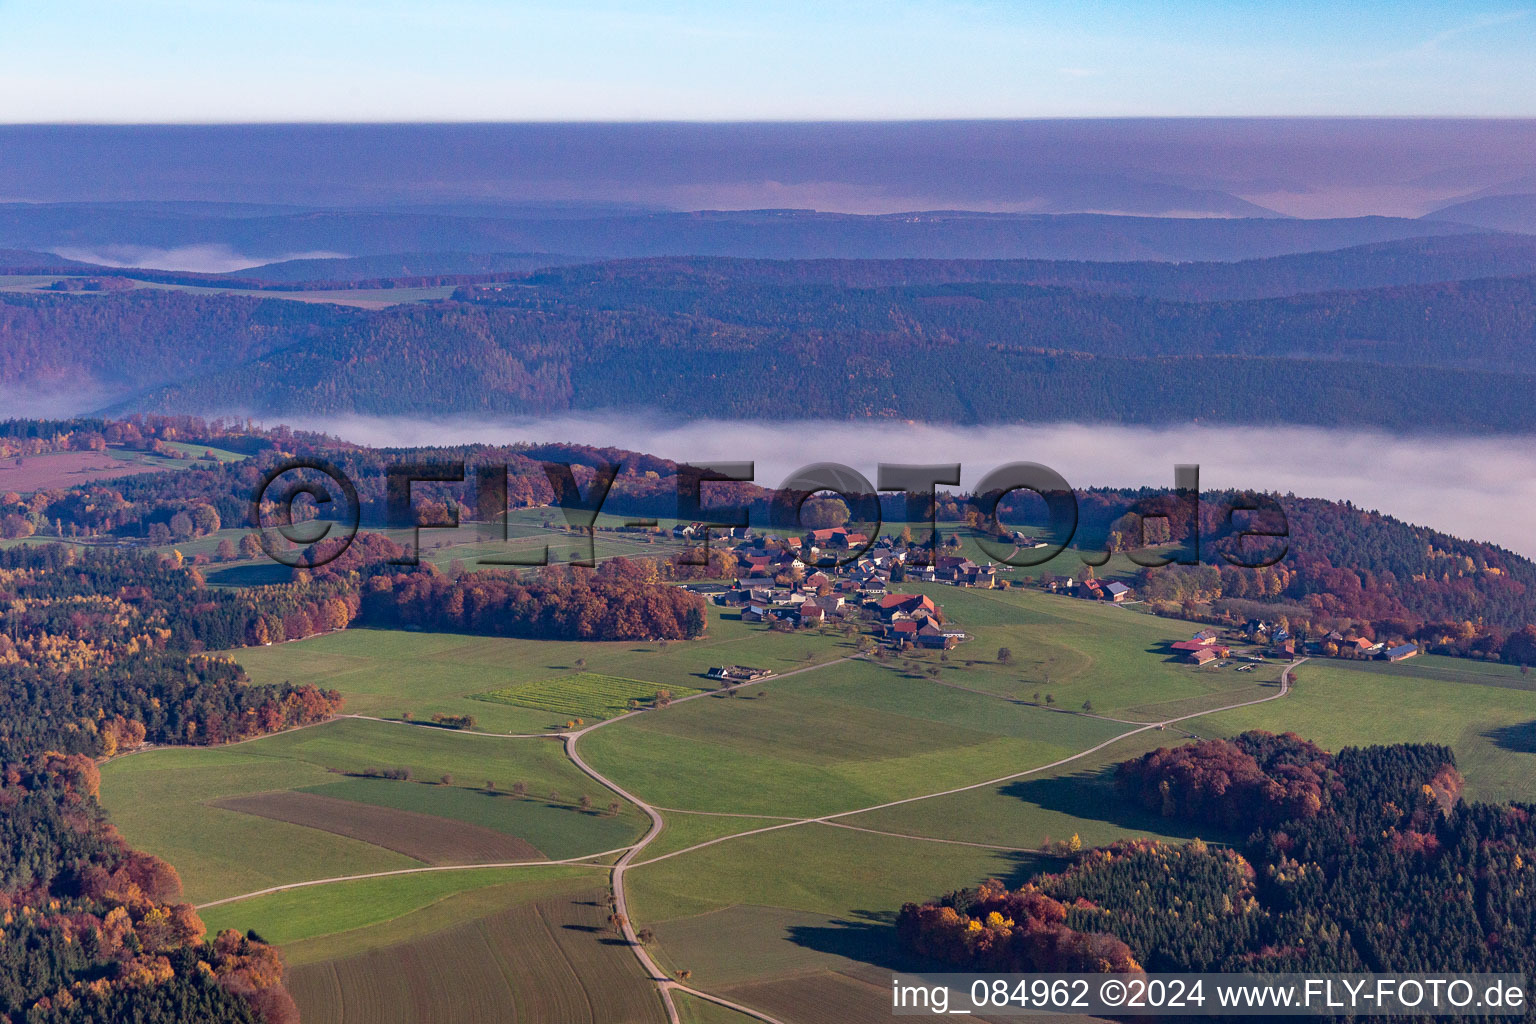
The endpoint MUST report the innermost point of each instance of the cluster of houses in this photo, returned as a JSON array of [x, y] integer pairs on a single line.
[[1276, 641], [1090, 589], [834, 594]]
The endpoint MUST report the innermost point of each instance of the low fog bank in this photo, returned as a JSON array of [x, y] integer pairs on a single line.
[[1478, 488], [209, 258]]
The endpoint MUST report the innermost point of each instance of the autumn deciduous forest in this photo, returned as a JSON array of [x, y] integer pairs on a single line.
[[1364, 860]]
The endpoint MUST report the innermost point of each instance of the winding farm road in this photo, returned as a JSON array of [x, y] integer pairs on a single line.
[[667, 985]]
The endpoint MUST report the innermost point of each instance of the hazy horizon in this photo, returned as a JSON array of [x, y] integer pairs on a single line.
[[1225, 167]]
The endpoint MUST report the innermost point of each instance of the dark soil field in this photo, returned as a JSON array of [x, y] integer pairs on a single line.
[[425, 837]]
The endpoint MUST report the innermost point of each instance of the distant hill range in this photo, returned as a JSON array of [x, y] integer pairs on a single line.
[[1381, 335], [1391, 322], [193, 236], [1498, 213]]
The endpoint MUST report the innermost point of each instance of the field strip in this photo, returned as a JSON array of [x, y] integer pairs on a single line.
[[569, 861]]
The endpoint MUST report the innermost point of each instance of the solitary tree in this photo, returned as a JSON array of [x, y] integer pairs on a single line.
[[519, 789], [1088, 706], [585, 803], [1050, 699], [613, 809], [1004, 656]]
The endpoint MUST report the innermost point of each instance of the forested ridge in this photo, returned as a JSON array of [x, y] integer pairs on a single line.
[[1361, 337], [1365, 860]]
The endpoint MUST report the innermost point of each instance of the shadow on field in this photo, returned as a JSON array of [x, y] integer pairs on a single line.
[[1092, 796], [869, 940], [1519, 738]]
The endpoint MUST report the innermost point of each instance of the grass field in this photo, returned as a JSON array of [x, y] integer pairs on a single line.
[[1033, 811], [1074, 650], [347, 918], [685, 830], [693, 1010], [389, 673], [164, 801], [584, 695], [843, 737]]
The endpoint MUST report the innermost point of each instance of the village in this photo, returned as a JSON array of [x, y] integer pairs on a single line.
[[836, 577]]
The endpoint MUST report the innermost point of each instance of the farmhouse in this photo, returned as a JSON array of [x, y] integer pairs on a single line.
[[1116, 591], [755, 612], [1401, 651], [1204, 656], [937, 637], [738, 673], [908, 604], [1191, 646]]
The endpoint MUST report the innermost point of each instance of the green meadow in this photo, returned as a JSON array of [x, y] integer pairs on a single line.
[[389, 673]]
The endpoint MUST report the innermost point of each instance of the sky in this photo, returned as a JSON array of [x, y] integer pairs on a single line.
[[138, 61]]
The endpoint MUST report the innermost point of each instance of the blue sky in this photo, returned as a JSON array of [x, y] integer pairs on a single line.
[[286, 60]]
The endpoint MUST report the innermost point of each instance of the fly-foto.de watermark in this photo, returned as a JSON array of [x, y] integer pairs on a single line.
[[1258, 530]]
